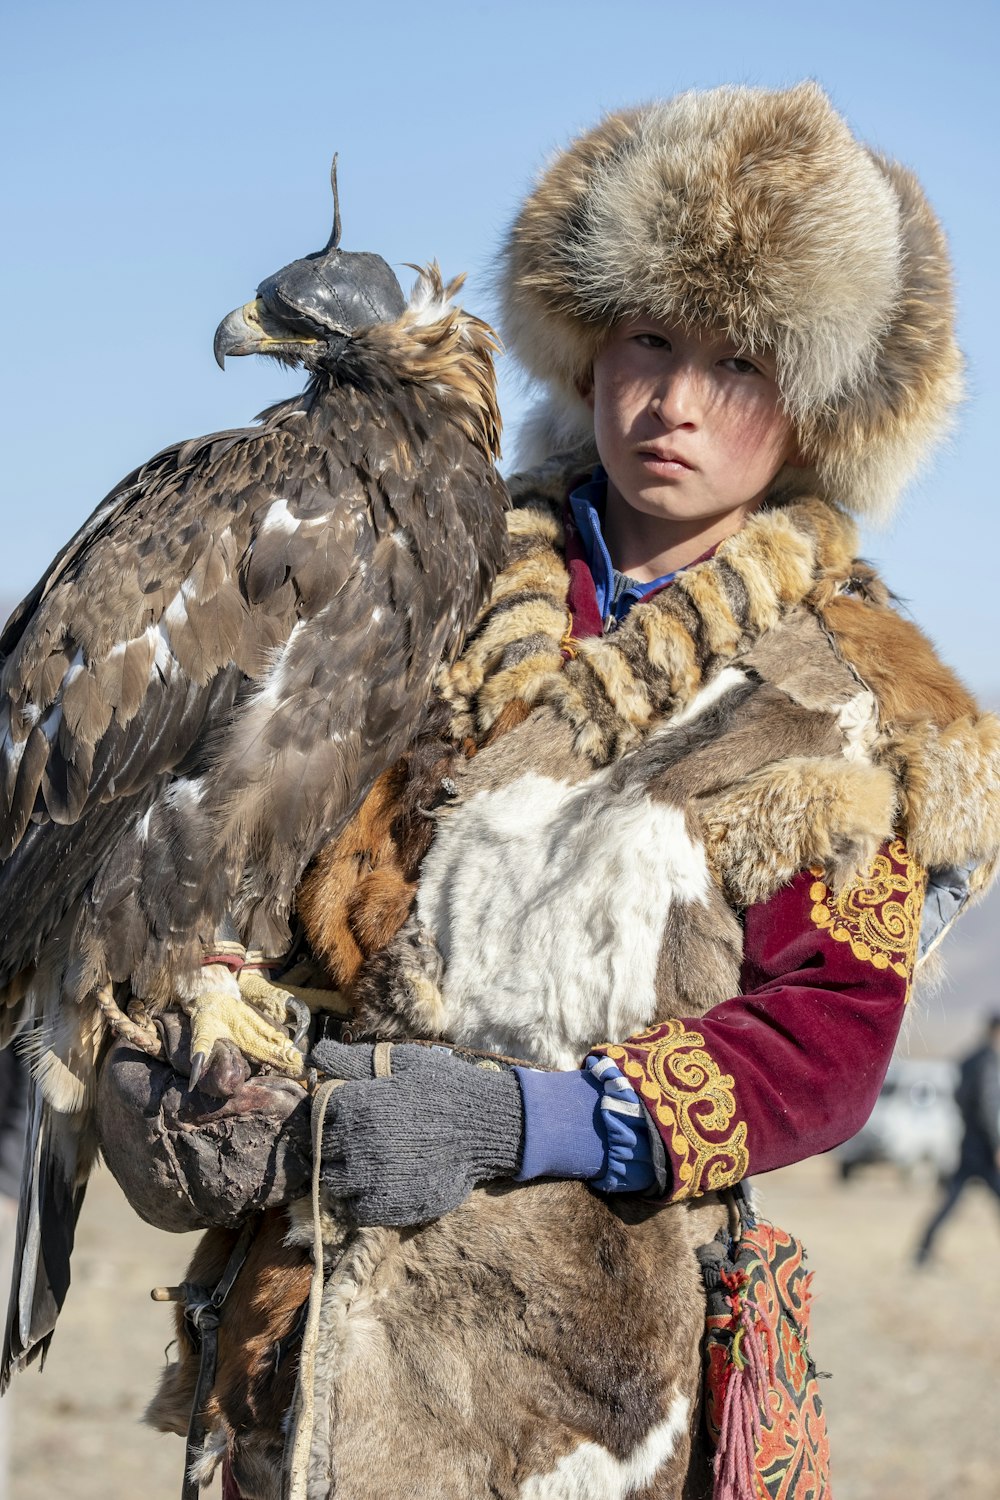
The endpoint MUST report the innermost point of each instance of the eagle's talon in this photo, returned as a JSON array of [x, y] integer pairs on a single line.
[[300, 1016], [220, 1015], [276, 1000]]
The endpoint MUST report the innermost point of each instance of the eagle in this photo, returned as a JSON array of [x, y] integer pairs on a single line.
[[206, 681]]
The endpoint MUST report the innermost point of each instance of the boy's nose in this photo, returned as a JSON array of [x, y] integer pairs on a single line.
[[678, 402]]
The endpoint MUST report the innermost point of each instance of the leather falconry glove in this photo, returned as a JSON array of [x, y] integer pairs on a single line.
[[407, 1148]]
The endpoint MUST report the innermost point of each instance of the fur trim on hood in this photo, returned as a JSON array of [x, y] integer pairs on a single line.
[[759, 213]]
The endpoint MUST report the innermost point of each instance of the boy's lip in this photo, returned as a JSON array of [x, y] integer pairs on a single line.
[[666, 456]]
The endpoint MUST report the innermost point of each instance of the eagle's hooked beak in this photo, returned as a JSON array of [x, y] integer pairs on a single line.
[[251, 329]]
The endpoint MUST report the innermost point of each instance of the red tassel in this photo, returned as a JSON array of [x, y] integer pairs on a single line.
[[229, 1489], [751, 1375]]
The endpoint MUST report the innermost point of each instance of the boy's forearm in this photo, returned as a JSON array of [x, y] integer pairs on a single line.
[[793, 1066]]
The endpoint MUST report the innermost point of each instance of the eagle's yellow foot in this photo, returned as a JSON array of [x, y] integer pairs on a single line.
[[220, 1013], [280, 1001]]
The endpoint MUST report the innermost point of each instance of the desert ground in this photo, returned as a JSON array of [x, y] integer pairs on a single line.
[[913, 1401]]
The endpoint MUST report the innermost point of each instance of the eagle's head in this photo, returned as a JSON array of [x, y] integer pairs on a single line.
[[308, 311]]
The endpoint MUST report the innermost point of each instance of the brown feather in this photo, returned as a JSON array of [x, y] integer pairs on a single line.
[[87, 709]]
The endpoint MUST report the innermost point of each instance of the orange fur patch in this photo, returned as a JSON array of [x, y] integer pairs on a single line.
[[897, 661]]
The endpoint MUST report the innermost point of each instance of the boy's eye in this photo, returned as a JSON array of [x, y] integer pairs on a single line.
[[741, 366], [652, 340]]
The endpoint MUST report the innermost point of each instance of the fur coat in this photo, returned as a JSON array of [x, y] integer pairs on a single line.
[[768, 714]]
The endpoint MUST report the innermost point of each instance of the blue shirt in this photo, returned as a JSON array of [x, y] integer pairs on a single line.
[[616, 592]]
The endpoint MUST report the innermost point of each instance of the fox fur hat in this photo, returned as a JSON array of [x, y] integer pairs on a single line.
[[757, 213]]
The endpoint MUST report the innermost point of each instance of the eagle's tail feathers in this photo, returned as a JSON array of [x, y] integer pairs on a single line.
[[59, 1152]]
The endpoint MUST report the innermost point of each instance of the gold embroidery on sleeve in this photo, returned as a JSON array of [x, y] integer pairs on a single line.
[[687, 1093], [880, 915]]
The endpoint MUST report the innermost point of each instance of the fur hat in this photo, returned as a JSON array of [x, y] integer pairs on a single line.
[[759, 213]]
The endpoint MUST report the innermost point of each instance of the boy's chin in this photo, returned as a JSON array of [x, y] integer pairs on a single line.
[[665, 503]]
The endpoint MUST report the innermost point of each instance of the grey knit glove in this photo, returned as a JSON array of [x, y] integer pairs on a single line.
[[405, 1149]]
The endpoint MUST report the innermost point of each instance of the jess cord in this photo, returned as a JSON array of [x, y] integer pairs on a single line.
[[669, 851]]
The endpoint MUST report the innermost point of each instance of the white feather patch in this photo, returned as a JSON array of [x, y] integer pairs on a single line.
[[52, 721], [60, 1085], [590, 1472], [427, 303], [548, 903], [175, 614], [273, 691], [280, 518], [163, 656], [13, 749], [76, 667], [185, 793]]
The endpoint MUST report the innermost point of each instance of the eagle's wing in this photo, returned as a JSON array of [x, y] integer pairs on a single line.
[[348, 692], [206, 682], [142, 603], [134, 643], [132, 651]]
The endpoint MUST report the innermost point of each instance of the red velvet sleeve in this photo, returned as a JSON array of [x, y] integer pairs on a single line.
[[793, 1065]]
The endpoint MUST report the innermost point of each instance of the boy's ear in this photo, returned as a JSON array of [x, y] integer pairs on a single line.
[[585, 388]]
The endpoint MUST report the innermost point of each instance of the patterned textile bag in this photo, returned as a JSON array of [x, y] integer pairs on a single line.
[[762, 1406]]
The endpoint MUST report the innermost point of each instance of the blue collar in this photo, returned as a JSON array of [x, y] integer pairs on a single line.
[[616, 593]]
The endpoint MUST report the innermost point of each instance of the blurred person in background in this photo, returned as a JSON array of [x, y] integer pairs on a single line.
[[978, 1098], [13, 1103]]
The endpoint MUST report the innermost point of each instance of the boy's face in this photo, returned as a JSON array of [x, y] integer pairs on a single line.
[[687, 427]]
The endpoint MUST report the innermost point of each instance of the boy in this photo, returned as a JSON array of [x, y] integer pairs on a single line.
[[713, 769]]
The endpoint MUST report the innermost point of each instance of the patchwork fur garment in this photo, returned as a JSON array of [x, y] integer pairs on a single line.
[[767, 712]]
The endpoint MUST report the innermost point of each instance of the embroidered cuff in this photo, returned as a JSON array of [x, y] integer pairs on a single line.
[[691, 1103]]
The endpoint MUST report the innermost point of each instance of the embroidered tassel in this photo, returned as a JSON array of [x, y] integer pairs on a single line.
[[750, 1378]]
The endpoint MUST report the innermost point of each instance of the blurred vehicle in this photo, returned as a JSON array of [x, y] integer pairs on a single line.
[[915, 1124]]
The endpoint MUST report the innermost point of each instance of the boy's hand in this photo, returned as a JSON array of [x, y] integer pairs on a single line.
[[407, 1148]]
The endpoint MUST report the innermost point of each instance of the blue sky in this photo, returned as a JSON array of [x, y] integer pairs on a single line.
[[165, 158]]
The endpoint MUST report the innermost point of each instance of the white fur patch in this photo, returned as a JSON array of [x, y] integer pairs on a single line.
[[206, 1459], [724, 682], [548, 904], [858, 719], [590, 1472]]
